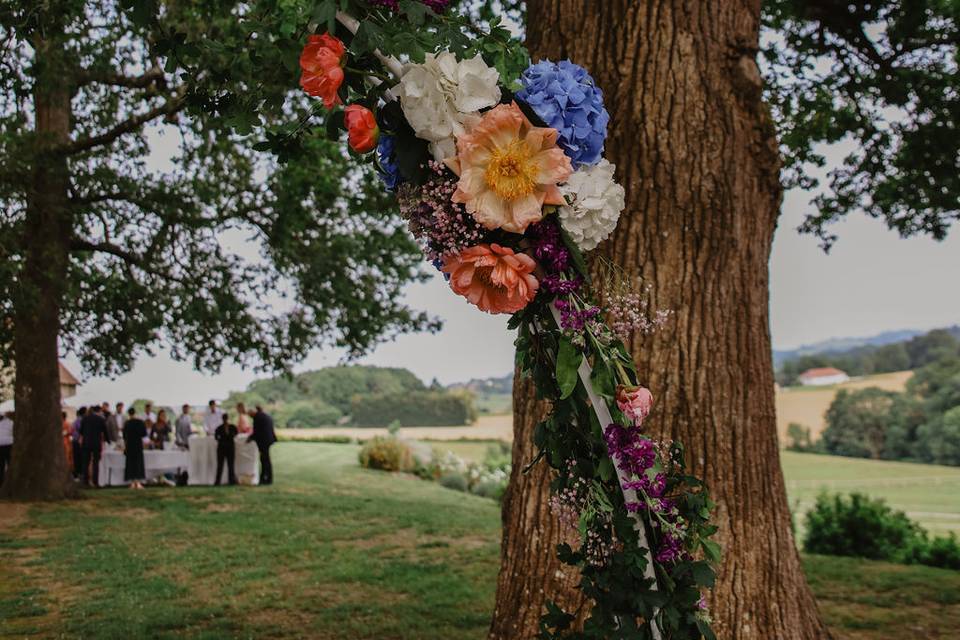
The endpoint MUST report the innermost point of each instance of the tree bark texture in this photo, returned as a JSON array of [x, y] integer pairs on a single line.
[[38, 469], [696, 150]]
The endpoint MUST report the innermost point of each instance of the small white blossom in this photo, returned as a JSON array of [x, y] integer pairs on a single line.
[[441, 98], [594, 204]]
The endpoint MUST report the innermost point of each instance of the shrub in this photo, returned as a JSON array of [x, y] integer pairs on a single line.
[[859, 526], [386, 453], [454, 481], [491, 489], [943, 552]]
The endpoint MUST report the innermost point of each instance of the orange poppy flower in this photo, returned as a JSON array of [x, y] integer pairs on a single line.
[[322, 72]]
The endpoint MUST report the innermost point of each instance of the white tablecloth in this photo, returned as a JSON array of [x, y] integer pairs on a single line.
[[203, 460], [156, 463]]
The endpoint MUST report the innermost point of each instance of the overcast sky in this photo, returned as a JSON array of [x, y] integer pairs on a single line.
[[872, 281]]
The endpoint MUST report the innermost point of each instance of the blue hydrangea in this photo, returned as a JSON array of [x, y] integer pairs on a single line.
[[567, 99], [387, 161]]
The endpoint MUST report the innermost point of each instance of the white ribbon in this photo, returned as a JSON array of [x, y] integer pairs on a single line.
[[630, 495]]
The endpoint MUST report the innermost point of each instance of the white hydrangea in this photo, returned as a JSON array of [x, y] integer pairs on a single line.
[[594, 204], [441, 98]]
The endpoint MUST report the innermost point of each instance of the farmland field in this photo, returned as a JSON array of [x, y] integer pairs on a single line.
[[807, 405]]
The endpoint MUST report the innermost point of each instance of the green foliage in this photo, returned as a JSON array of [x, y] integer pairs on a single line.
[[864, 527], [163, 190], [858, 526], [922, 423], [387, 454], [306, 414], [857, 422], [881, 76], [413, 408], [799, 437], [455, 481]]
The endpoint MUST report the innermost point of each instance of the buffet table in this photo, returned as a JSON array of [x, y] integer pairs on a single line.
[[156, 462], [203, 461], [200, 462]]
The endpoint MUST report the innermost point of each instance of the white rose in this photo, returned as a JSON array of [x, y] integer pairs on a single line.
[[594, 204], [441, 98]]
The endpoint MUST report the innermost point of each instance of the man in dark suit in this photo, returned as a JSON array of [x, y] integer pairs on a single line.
[[225, 434], [264, 436], [93, 433]]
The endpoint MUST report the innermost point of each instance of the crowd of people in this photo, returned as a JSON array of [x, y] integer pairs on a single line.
[[134, 432]]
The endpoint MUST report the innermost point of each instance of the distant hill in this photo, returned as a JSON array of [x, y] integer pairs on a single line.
[[837, 345], [879, 356]]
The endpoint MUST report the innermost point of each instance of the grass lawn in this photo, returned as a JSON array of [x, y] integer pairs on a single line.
[[331, 551]]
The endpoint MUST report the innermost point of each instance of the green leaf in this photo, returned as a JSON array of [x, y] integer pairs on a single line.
[[704, 574], [602, 379], [606, 470], [568, 361], [578, 262], [712, 549]]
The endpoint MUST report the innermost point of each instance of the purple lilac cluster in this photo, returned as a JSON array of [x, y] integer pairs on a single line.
[[436, 5], [548, 247], [573, 319], [441, 226], [630, 312], [633, 453], [557, 285]]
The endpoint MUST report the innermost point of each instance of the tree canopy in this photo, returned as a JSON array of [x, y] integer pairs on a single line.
[[180, 233], [880, 76]]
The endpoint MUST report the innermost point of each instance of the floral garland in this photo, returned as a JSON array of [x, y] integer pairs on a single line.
[[503, 183]]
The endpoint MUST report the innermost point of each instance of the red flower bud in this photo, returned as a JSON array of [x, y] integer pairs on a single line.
[[362, 130]]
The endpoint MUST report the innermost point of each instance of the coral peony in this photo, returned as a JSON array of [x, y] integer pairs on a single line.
[[492, 277], [362, 129], [635, 402], [322, 73], [508, 169]]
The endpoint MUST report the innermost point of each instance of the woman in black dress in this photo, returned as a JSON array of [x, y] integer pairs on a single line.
[[134, 431]]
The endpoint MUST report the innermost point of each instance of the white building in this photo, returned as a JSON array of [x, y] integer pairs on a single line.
[[823, 376]]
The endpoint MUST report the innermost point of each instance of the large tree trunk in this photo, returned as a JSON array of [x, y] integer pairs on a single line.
[[39, 467], [695, 148]]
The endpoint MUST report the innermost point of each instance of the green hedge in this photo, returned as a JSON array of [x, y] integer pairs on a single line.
[[413, 409]]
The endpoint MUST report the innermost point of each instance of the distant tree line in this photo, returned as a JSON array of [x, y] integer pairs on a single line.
[[920, 424], [870, 359], [357, 395]]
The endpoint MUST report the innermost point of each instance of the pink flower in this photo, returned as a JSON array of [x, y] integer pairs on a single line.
[[635, 402], [492, 277], [508, 170]]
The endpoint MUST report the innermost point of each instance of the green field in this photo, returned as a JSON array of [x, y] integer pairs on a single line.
[[330, 551], [930, 494]]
